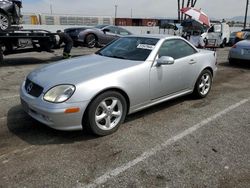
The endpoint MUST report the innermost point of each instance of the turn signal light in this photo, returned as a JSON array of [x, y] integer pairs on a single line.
[[71, 110]]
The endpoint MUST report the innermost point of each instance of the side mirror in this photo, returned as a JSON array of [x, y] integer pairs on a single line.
[[165, 60], [105, 30]]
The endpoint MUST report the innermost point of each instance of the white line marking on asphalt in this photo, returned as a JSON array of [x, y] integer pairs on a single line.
[[16, 151], [11, 97], [115, 172]]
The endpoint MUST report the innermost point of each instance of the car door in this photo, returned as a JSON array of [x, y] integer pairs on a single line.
[[111, 34], [173, 78], [215, 32]]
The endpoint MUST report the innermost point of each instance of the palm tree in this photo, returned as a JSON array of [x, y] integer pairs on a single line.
[[179, 5], [193, 3], [183, 2], [190, 3]]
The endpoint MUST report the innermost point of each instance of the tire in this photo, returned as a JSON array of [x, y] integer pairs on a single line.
[[106, 112], [231, 61], [91, 41], [4, 22], [1, 56], [203, 84]]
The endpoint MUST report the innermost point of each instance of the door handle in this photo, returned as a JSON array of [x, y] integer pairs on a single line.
[[192, 61]]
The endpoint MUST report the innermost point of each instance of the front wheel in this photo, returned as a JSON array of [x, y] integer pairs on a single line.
[[4, 22], [203, 84], [231, 61], [91, 41], [106, 113]]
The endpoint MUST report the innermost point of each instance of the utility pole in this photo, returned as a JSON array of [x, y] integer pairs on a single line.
[[245, 22], [51, 9]]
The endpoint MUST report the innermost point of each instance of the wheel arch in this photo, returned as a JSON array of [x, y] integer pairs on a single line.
[[3, 12], [90, 33], [119, 90], [210, 69], [205, 68]]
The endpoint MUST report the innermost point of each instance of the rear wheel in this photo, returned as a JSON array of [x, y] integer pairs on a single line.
[[231, 61], [203, 84], [106, 113], [4, 22], [91, 40]]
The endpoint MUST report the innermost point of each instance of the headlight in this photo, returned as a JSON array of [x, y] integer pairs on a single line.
[[59, 94]]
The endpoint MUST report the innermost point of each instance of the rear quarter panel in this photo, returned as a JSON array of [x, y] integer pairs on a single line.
[[207, 59]]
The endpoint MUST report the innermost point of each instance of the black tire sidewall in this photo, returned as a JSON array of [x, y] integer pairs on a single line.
[[92, 108], [196, 89], [87, 38], [231, 61]]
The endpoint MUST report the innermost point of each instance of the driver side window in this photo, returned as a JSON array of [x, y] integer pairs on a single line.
[[113, 30], [176, 48]]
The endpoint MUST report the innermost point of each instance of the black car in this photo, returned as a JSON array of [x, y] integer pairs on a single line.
[[10, 13]]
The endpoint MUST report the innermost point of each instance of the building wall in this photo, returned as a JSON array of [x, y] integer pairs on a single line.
[[47, 19]]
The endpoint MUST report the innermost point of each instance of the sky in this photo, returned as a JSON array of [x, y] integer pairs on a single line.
[[217, 9]]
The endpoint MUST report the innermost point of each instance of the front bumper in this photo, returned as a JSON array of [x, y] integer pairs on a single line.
[[53, 115]]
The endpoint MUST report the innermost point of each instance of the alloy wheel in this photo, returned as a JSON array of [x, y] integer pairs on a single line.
[[108, 113], [205, 84], [4, 22]]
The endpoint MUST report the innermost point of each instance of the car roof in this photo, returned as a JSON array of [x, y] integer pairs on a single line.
[[71, 28]]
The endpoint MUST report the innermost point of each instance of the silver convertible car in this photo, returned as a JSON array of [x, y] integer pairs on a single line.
[[128, 75]]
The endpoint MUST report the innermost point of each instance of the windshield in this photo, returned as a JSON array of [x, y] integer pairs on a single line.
[[130, 48], [217, 28], [100, 26]]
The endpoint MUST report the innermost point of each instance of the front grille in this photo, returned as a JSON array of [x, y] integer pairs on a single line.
[[33, 89]]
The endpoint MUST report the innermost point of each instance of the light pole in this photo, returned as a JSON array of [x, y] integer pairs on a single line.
[[115, 13], [245, 22]]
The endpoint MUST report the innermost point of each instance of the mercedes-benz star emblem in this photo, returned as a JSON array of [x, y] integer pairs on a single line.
[[29, 88]]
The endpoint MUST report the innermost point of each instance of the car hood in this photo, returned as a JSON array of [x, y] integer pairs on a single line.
[[244, 44], [77, 70]]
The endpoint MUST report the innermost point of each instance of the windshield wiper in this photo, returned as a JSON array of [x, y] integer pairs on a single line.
[[99, 53], [118, 57]]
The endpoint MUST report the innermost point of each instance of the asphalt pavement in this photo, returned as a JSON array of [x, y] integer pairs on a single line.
[[179, 143]]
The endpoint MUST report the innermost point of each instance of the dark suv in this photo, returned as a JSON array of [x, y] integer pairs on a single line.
[[10, 13]]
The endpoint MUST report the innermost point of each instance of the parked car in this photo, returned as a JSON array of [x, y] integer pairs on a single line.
[[101, 35], [219, 32], [247, 29], [10, 13], [240, 51], [128, 75], [237, 36]]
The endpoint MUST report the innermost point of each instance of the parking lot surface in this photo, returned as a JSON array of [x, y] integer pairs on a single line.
[[180, 143]]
